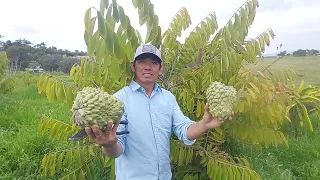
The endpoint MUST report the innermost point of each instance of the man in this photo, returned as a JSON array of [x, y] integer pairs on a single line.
[[152, 114]]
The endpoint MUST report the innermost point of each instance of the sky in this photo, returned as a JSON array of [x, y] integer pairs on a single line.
[[60, 23]]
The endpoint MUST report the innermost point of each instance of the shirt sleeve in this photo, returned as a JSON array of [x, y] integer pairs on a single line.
[[181, 124], [121, 127], [122, 138]]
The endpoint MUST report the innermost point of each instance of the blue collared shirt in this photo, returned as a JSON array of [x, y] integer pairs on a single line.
[[151, 121]]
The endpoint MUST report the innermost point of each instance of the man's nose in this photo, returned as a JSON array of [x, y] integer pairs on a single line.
[[148, 65]]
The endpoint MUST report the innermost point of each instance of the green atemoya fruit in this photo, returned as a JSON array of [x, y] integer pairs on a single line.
[[93, 106], [221, 99]]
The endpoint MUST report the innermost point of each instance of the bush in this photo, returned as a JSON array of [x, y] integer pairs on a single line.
[[6, 85]]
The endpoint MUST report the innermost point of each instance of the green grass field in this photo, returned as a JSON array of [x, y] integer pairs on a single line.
[[21, 147], [306, 68]]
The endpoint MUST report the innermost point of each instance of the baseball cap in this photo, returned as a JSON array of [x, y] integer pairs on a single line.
[[147, 50]]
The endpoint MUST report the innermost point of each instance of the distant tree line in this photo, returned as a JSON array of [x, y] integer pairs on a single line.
[[24, 54], [300, 52]]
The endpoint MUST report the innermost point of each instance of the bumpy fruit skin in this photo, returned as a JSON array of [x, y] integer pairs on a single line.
[[92, 106], [221, 100]]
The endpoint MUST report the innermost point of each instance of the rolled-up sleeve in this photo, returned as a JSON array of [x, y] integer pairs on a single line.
[[122, 138], [122, 127], [180, 124]]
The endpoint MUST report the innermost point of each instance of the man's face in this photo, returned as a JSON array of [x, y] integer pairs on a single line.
[[147, 70]]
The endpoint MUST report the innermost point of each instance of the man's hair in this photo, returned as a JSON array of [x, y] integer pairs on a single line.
[[145, 56]]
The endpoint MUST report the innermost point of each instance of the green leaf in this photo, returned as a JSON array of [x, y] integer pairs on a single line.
[[301, 86], [102, 7], [70, 96], [92, 44], [135, 3], [81, 175], [193, 86], [306, 115], [240, 106], [52, 165], [59, 161], [118, 50], [122, 16], [266, 38], [101, 24], [106, 3], [199, 109], [44, 163], [87, 21], [110, 39], [89, 171], [115, 11]]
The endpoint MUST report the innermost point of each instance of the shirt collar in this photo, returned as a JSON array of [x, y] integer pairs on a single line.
[[135, 86]]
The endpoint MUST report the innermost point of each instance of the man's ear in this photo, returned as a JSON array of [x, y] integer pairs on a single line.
[[132, 67], [161, 69]]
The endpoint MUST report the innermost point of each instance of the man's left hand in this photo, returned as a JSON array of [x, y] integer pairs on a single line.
[[211, 122]]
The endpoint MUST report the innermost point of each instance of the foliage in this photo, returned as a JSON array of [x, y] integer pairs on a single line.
[[6, 82], [299, 161], [283, 53], [299, 52], [18, 57], [22, 54], [21, 148], [208, 54], [67, 63], [306, 100], [304, 52], [30, 78], [50, 62]]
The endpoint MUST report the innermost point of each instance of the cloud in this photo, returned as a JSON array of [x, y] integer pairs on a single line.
[[60, 23], [25, 29], [293, 27]]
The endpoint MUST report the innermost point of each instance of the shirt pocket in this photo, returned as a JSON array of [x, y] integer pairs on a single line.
[[164, 118]]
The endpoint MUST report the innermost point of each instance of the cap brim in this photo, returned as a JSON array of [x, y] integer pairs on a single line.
[[148, 55]]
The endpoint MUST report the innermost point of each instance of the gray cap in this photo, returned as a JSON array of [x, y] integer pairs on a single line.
[[148, 49]]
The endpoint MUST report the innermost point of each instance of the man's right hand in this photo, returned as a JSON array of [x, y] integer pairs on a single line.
[[106, 138]]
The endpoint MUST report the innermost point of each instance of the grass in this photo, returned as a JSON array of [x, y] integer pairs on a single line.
[[308, 67], [21, 147], [299, 161]]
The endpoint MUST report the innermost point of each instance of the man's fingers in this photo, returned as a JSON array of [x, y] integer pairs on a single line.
[[115, 127], [96, 130], [89, 132], [206, 107], [108, 129]]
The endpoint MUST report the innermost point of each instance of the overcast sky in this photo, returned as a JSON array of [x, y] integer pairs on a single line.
[[60, 23]]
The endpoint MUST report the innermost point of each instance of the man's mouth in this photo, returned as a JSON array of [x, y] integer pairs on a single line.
[[147, 74]]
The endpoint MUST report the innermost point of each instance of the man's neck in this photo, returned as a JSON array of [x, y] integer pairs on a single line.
[[148, 87]]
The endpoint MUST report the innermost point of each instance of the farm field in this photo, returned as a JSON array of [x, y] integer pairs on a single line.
[[306, 68], [21, 147]]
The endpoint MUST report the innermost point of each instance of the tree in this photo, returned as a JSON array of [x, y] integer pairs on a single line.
[[300, 52], [282, 53], [6, 82], [50, 62], [67, 63], [18, 57], [312, 52], [208, 54]]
